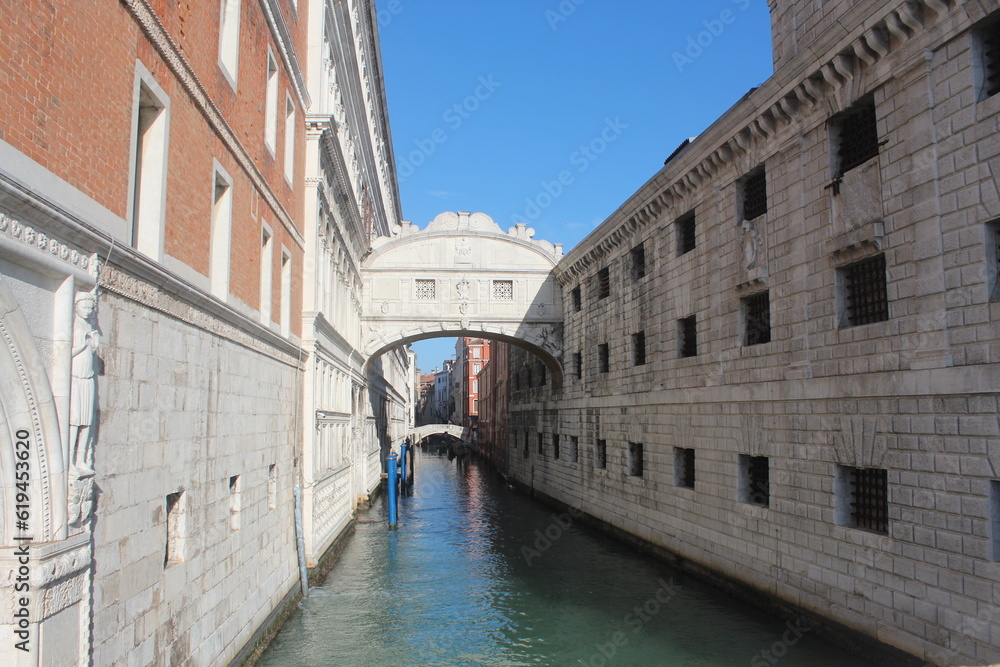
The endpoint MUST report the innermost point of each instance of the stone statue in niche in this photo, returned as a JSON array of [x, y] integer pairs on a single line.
[[83, 387], [751, 241]]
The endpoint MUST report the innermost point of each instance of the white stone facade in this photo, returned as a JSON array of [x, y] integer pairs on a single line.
[[911, 396]]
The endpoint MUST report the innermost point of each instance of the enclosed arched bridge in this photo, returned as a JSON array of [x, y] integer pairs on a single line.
[[464, 276]]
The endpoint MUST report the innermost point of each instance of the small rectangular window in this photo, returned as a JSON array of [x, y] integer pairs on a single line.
[[685, 233], [235, 502], [635, 459], [577, 299], [756, 319], [639, 262], [601, 454], [526, 446], [229, 39], [527, 378], [286, 293], [755, 485], [603, 358], [574, 449], [425, 290], [149, 169], [864, 494], [755, 195], [639, 348], [555, 445], [175, 529], [865, 297], [578, 364], [989, 44], [993, 259], [541, 444], [503, 290], [221, 226], [857, 140], [684, 467], [687, 336], [266, 270], [542, 376], [271, 105], [603, 283], [289, 139], [995, 519]]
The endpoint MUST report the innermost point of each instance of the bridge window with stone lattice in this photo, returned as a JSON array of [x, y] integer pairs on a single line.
[[426, 290], [503, 290]]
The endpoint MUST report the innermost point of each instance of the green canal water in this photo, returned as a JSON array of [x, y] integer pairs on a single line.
[[478, 574]]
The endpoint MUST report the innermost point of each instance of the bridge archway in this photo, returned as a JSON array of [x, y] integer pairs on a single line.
[[464, 276], [421, 432]]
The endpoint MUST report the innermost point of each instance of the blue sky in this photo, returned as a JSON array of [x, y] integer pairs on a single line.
[[553, 112]]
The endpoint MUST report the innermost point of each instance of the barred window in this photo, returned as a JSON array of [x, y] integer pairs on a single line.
[[865, 296], [555, 445], [635, 459], [757, 319], [577, 299], [869, 498], [541, 444], [687, 336], [578, 364], [542, 376], [574, 449], [603, 358], [603, 283], [755, 195], [601, 454], [526, 446], [639, 348], [426, 290], [993, 258], [684, 467], [503, 290], [639, 262], [989, 37], [756, 480], [685, 233], [858, 141]]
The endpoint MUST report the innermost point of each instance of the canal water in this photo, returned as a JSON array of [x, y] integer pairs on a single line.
[[478, 574]]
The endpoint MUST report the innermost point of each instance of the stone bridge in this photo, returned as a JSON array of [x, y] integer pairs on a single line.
[[421, 432], [464, 276]]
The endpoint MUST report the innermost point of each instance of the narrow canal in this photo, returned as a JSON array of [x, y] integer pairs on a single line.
[[477, 574]]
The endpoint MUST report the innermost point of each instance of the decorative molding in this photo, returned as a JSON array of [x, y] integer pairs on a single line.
[[860, 442], [821, 83], [279, 31], [15, 229], [178, 64], [119, 282]]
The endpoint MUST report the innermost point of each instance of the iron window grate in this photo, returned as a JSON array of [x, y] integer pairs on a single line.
[[578, 364], [870, 499], [635, 463], [639, 348], [603, 283], [541, 444], [755, 195], [542, 376], [527, 447], [503, 290], [639, 262], [865, 291], [574, 449], [603, 358], [601, 454], [577, 299], [685, 234], [991, 56], [858, 137], [555, 445], [758, 481], [685, 467], [757, 309], [426, 290], [687, 329]]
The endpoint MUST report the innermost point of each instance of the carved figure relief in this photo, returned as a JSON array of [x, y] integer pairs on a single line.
[[463, 289], [463, 248], [752, 242], [83, 394]]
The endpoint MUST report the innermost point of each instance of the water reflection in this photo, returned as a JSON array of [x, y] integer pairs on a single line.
[[477, 574]]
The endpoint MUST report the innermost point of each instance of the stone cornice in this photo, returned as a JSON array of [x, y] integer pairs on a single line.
[[842, 55], [178, 64]]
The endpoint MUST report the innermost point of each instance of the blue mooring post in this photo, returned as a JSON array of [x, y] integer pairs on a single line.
[[402, 466], [391, 470]]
